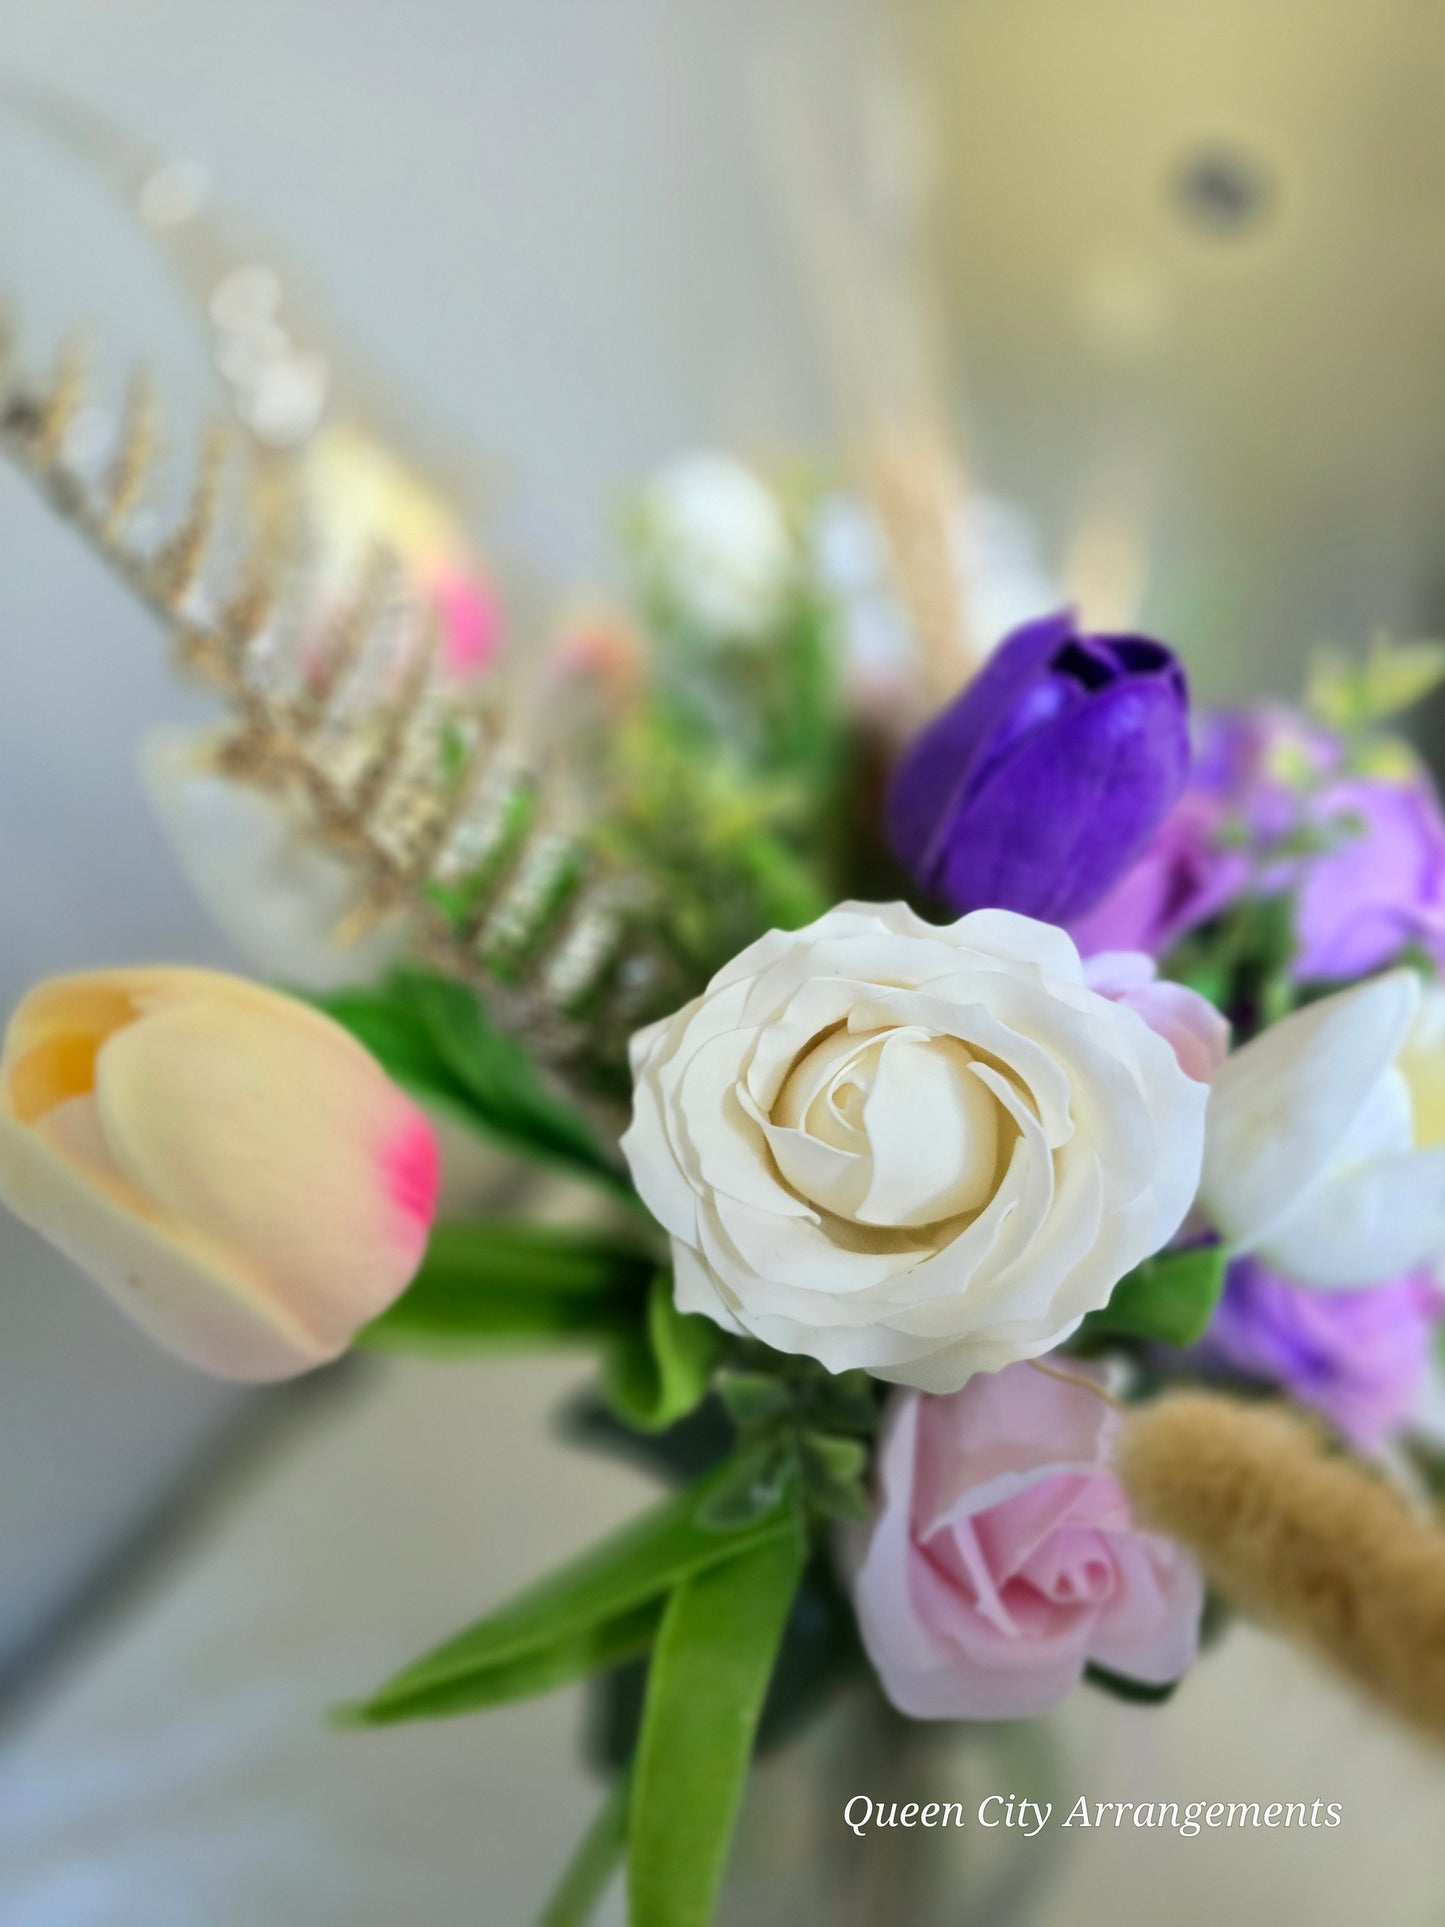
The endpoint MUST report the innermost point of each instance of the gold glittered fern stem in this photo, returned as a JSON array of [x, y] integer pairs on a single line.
[[443, 816]]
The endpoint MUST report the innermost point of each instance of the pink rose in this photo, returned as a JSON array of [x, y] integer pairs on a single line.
[[1188, 1023], [1003, 1558]]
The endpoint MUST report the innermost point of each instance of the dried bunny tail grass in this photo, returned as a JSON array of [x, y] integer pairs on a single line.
[[1308, 1543], [444, 814]]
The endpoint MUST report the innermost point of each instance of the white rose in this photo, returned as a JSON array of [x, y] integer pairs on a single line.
[[928, 1152], [1325, 1147]]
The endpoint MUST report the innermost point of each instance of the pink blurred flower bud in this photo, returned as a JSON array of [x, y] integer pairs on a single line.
[[231, 1166], [1188, 1023]]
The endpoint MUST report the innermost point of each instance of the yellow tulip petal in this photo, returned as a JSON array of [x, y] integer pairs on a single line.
[[270, 1130], [232, 1167]]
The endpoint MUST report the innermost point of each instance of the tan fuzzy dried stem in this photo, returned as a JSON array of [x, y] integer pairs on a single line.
[[916, 489], [1308, 1543]]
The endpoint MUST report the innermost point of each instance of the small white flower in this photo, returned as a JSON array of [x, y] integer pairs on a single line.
[[1326, 1137], [718, 546], [927, 1152]]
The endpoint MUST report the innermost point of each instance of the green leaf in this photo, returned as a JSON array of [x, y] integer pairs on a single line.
[[820, 1652], [1133, 1691], [481, 1286], [754, 1399], [1171, 1298], [507, 1091], [433, 1037], [589, 1613], [587, 1874], [833, 1475], [750, 1485], [527, 1674], [710, 1671], [1392, 676], [660, 1372], [846, 1403], [834, 1458]]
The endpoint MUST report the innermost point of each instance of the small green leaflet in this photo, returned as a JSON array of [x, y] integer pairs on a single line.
[[433, 1037], [1355, 694], [594, 1612], [797, 1431], [710, 1670], [659, 1372], [1170, 1297], [483, 1286]]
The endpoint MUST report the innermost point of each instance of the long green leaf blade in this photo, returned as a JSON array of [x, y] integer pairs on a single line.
[[709, 1674], [507, 1092], [626, 1572], [485, 1285], [596, 1649], [433, 1037]]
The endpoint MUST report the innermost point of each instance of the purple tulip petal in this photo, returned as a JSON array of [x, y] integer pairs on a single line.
[[1044, 780]]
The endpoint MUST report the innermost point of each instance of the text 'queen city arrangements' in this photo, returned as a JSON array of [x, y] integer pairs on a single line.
[[1032, 1816]]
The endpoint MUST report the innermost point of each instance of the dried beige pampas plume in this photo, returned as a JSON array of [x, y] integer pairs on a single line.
[[1306, 1542]]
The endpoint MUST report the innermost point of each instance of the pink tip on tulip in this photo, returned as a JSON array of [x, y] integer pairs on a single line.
[[411, 1163]]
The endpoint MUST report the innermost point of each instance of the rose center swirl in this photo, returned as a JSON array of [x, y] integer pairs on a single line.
[[890, 1127]]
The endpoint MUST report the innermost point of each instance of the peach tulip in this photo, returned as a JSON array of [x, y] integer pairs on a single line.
[[230, 1165]]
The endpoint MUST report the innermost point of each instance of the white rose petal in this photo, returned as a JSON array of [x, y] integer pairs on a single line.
[[1325, 1148], [927, 1152]]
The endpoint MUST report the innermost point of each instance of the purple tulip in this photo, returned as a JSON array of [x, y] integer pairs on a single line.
[[1042, 782]]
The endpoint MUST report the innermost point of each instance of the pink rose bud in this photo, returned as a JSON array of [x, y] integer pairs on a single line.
[[1188, 1023], [231, 1166], [1003, 1558]]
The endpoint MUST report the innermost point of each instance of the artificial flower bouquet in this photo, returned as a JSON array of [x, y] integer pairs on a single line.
[[999, 1137]]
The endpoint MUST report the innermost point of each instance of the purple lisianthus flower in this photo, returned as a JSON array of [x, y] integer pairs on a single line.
[[1185, 875], [1374, 883], [1357, 1357], [1243, 794], [1042, 782], [1379, 885]]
